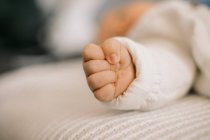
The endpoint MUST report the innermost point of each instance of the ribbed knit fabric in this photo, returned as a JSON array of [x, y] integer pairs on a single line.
[[53, 102], [187, 119]]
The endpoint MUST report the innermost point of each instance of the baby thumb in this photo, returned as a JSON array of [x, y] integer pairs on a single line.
[[111, 49]]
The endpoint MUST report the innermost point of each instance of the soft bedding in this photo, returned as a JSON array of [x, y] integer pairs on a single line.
[[53, 102]]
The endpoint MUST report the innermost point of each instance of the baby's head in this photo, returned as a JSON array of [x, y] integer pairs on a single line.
[[117, 22]]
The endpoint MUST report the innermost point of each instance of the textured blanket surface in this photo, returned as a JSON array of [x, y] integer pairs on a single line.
[[53, 102]]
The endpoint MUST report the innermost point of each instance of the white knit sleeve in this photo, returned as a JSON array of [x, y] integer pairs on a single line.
[[170, 41], [201, 50], [162, 75], [177, 21]]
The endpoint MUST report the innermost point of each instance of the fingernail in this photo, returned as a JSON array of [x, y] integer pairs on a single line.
[[109, 60], [114, 58]]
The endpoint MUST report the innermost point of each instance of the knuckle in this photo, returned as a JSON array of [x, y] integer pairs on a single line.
[[92, 81], [91, 52], [111, 46], [106, 93], [85, 66], [90, 66], [86, 49], [85, 69]]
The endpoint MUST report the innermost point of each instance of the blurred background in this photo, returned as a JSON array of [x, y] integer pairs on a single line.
[[20, 21], [42, 31]]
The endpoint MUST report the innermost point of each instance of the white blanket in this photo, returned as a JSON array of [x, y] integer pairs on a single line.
[[167, 46], [53, 102]]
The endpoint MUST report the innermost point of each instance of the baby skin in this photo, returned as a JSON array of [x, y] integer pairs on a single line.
[[109, 67]]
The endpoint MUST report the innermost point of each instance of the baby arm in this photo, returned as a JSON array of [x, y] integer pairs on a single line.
[[163, 72], [164, 68]]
